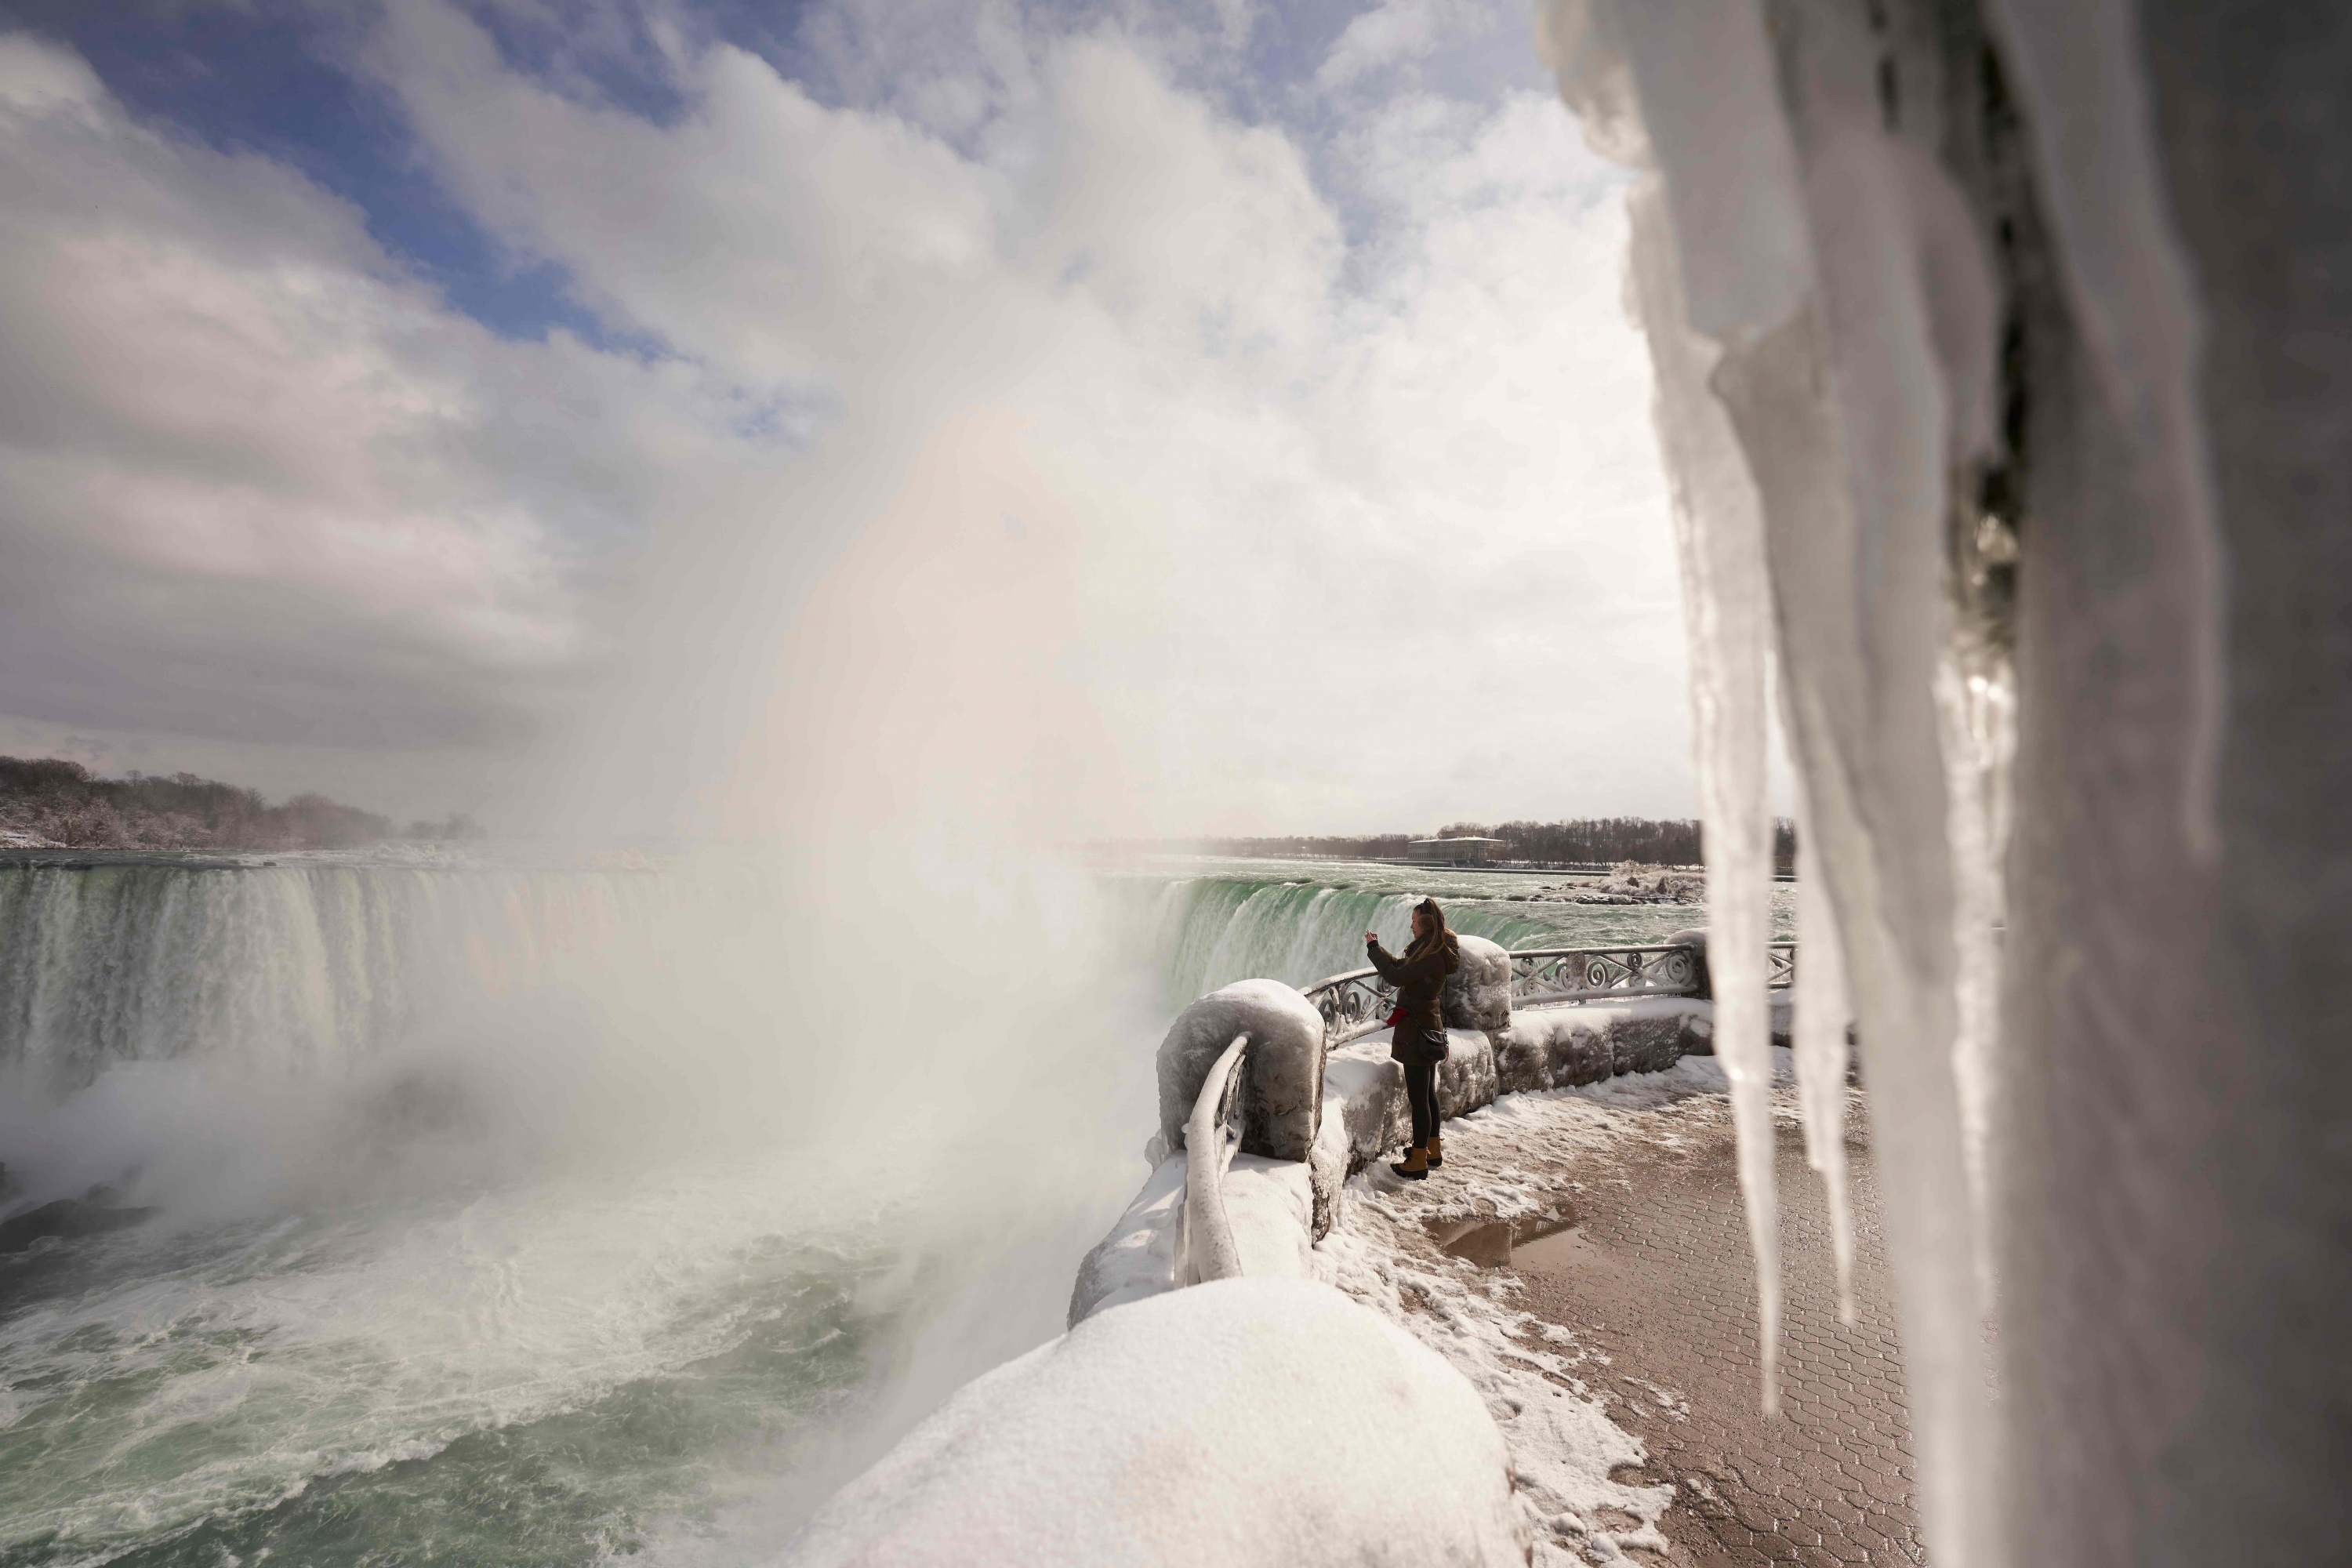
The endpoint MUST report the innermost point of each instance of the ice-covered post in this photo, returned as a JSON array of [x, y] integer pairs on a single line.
[[1281, 1073], [1478, 994]]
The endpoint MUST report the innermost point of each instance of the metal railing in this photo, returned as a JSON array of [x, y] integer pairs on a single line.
[[1209, 1252], [1357, 1003]]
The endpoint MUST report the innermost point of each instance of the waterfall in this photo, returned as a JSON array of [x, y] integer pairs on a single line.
[[1211, 930], [289, 968]]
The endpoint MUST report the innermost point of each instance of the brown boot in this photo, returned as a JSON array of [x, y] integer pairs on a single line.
[[1416, 1164], [1436, 1148]]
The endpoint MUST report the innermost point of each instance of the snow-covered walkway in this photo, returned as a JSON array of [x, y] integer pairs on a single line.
[[1617, 1352]]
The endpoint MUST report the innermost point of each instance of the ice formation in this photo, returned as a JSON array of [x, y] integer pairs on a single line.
[[1822, 1010], [1824, 325], [1976, 704], [1719, 540]]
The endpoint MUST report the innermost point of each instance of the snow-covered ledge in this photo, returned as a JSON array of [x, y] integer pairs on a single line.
[[1280, 1205], [1279, 1190]]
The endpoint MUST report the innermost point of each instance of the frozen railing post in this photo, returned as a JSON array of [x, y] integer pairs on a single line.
[[1251, 1053], [1210, 1251], [1281, 1081]]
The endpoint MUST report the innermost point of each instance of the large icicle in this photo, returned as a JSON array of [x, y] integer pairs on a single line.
[[1858, 392], [1974, 701], [1822, 1015], [1718, 531], [1719, 536]]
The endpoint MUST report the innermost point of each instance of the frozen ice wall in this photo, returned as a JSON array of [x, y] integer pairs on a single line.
[[2015, 332]]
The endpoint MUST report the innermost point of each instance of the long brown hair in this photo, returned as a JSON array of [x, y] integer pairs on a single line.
[[1437, 933]]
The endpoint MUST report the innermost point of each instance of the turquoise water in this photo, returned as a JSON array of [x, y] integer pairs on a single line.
[[1218, 920]]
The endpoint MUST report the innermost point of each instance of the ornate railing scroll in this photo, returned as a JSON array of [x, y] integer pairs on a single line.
[[1209, 1252], [1600, 974], [1575, 974], [1591, 973], [1352, 1004], [1355, 1004]]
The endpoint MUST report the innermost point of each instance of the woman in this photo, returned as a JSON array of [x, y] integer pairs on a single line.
[[1420, 1042]]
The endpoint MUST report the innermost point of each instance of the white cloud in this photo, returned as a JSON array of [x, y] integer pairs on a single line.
[[1394, 33], [260, 488], [1141, 493]]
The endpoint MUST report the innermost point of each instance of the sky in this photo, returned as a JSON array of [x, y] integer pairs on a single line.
[[645, 418]]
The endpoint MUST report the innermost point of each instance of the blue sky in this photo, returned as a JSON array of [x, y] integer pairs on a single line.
[[448, 403], [278, 79]]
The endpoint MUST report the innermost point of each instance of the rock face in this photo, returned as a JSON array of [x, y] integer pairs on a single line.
[[1282, 1075], [1478, 994], [1250, 1423]]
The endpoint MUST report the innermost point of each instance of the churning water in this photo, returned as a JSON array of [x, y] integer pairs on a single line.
[[514, 1214]]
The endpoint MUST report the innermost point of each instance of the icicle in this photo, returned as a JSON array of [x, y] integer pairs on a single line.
[[1975, 703], [1859, 384], [1749, 261], [1720, 540], [1823, 1016]]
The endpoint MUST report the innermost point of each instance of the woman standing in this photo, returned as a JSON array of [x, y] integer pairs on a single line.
[[1420, 1042]]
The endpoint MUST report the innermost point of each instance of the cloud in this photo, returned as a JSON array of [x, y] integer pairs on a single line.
[[1395, 33], [1325, 450], [257, 484]]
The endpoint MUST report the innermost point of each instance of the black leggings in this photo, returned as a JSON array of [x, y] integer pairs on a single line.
[[1421, 1093]]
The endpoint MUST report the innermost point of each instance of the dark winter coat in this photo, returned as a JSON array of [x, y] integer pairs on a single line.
[[1419, 977]]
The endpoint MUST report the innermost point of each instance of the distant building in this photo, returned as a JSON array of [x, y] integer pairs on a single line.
[[1456, 852]]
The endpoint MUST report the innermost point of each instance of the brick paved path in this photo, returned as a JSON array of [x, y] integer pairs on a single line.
[[1657, 1274]]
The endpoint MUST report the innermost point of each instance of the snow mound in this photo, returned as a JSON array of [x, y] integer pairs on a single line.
[[1241, 1422]]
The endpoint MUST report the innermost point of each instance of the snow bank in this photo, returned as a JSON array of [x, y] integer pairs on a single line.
[[1552, 1047], [1363, 1108], [1242, 1421], [1282, 1075]]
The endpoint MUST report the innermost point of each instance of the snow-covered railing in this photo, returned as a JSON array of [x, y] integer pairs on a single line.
[[1357, 1003], [1352, 1003], [1209, 1252], [1544, 975]]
